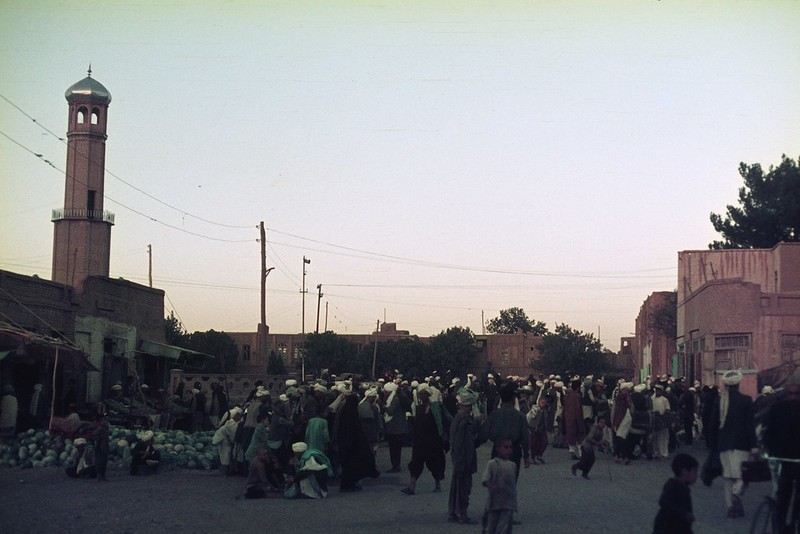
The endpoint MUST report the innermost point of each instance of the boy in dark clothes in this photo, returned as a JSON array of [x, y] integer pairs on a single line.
[[593, 440], [675, 515]]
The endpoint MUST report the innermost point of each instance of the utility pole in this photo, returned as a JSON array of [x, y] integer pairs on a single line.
[[262, 327], [326, 315], [319, 301], [150, 264], [375, 350], [306, 261], [483, 324]]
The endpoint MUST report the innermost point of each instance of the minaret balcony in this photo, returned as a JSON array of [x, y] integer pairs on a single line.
[[61, 214]]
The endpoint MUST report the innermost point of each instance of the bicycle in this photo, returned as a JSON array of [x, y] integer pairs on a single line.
[[766, 520]]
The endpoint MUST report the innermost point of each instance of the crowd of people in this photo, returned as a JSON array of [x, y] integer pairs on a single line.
[[294, 444]]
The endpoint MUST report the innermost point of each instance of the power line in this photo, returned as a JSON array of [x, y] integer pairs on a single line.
[[142, 191], [142, 214]]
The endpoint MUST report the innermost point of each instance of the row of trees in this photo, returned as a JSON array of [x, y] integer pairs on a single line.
[[453, 349]]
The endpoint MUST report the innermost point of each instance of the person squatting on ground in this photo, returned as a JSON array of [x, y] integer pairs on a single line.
[[593, 440], [307, 473], [85, 466], [463, 442], [265, 472], [500, 479], [144, 454], [675, 514]]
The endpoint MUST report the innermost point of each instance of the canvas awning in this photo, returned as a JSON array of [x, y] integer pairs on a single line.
[[170, 352], [25, 347]]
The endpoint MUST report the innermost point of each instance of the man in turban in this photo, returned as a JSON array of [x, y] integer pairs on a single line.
[[733, 421]]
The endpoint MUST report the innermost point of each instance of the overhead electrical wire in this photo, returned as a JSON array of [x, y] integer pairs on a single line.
[[359, 253]]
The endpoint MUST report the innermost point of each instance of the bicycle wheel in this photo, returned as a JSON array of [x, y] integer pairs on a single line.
[[764, 518]]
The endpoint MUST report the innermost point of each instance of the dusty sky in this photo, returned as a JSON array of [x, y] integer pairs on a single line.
[[434, 160]]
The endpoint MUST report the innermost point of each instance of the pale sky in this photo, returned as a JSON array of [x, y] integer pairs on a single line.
[[434, 160]]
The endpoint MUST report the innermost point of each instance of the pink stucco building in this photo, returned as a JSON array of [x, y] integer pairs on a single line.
[[738, 309]]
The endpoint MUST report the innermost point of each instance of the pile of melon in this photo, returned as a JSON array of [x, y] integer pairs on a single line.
[[179, 450]]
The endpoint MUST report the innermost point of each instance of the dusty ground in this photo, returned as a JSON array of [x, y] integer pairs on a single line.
[[619, 499]]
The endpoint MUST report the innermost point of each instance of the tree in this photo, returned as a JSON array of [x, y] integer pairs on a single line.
[[329, 351], [275, 364], [570, 350], [217, 344], [174, 333], [452, 350], [513, 319], [665, 317], [769, 210]]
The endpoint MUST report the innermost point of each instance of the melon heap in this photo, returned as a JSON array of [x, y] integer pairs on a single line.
[[179, 450]]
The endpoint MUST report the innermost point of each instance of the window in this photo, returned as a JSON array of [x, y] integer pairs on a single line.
[[82, 115], [790, 348], [283, 350], [732, 352], [90, 202], [730, 342], [246, 353], [95, 115]]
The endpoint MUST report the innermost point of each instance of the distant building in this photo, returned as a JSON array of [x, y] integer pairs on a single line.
[[508, 354], [653, 350], [289, 346], [738, 309]]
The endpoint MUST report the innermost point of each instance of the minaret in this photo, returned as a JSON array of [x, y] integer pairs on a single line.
[[82, 233]]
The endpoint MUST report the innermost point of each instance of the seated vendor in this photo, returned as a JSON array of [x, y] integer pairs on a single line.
[[309, 470], [144, 454], [85, 466]]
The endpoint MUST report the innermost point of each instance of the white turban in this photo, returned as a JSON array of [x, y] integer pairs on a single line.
[[638, 388], [372, 392], [390, 387], [320, 388], [767, 390], [80, 441], [291, 382], [414, 383], [147, 436], [299, 447], [732, 378], [626, 385]]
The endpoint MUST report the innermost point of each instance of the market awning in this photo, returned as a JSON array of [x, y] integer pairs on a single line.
[[169, 351], [26, 347]]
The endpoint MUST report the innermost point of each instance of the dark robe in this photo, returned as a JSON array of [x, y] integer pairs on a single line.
[[355, 455]]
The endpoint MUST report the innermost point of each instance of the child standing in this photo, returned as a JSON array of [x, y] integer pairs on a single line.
[[500, 478], [675, 515], [463, 435], [593, 440], [538, 430]]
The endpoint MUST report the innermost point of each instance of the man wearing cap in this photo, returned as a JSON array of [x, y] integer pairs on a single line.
[[463, 438], [733, 421]]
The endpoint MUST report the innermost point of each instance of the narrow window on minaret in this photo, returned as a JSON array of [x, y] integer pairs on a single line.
[[81, 115], [95, 115], [90, 204]]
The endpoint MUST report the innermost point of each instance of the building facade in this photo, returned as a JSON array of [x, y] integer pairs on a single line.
[[654, 349], [738, 309]]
